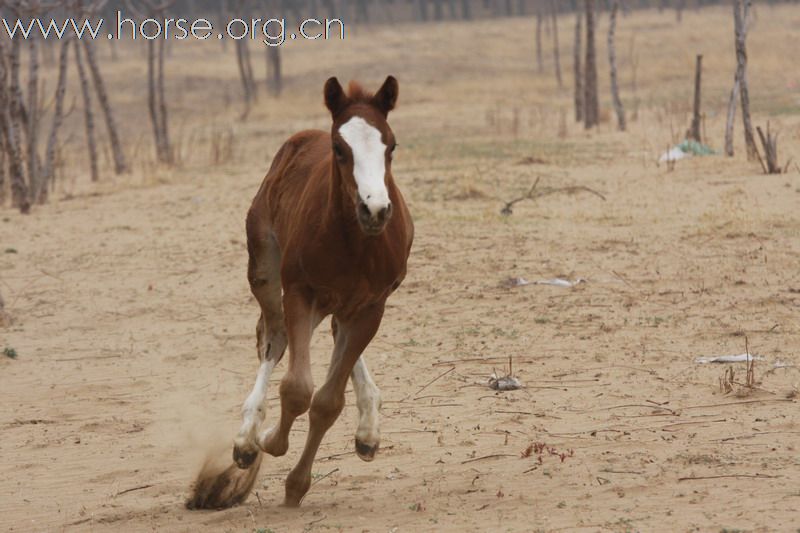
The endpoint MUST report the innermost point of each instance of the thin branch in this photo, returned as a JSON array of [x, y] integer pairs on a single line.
[[534, 193]]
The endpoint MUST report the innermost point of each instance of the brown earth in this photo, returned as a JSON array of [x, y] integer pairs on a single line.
[[135, 330]]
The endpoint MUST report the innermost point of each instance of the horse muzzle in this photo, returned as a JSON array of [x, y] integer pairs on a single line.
[[373, 219]]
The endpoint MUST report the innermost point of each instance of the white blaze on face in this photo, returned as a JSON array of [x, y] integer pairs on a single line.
[[369, 163]]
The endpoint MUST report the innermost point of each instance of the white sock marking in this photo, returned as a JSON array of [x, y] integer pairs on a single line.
[[368, 399], [253, 407]]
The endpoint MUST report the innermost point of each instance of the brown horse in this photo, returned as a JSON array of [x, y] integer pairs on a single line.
[[328, 233]]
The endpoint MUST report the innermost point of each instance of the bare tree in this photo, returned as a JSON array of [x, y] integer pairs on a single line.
[[10, 127], [246, 75], [2, 162], [577, 70], [156, 99], [731, 117], [243, 61], [40, 195], [88, 115], [88, 11], [466, 11], [741, 17], [612, 61], [161, 102], [590, 100], [680, 5], [32, 125], [539, 63], [556, 53], [274, 72], [694, 131], [120, 165], [741, 12]]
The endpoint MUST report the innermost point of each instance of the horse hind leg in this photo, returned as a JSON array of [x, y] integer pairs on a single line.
[[368, 400], [264, 277]]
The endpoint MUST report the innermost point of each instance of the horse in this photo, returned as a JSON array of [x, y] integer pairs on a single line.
[[328, 233]]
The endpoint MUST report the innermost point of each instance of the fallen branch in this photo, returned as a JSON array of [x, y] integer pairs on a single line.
[[754, 476], [492, 456], [317, 481], [429, 383], [120, 493], [533, 194]]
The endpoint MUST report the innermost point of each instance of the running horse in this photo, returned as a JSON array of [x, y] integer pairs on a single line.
[[328, 233]]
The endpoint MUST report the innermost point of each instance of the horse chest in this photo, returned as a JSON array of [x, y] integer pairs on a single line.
[[345, 284]]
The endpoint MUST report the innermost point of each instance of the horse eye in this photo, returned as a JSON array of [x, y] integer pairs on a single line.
[[338, 152]]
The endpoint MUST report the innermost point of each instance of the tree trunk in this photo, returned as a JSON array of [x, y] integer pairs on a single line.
[[679, 7], [741, 10], [248, 70], [18, 112], [32, 126], [275, 74], [694, 132], [223, 20], [452, 10], [246, 87], [40, 195], [612, 61], [11, 141], [438, 12], [163, 122], [152, 100], [466, 12], [120, 164], [88, 115], [731, 118], [2, 166], [539, 63], [577, 70], [556, 53], [422, 10], [590, 103]]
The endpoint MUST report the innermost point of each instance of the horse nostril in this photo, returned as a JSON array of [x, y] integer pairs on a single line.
[[363, 210]]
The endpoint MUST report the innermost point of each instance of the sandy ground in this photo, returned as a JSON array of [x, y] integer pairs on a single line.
[[135, 329]]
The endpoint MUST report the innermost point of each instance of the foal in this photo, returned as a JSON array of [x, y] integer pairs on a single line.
[[328, 233]]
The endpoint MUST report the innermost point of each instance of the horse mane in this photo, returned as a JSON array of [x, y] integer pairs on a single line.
[[357, 93]]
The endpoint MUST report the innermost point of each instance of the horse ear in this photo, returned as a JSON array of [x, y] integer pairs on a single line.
[[386, 97], [334, 96]]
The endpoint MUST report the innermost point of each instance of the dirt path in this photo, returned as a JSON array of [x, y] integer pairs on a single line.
[[135, 339]]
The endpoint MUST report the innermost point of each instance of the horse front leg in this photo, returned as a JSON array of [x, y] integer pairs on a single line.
[[297, 385], [271, 345], [368, 400], [263, 273], [352, 337]]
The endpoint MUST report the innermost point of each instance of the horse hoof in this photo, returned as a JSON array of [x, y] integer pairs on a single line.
[[365, 451], [244, 458]]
